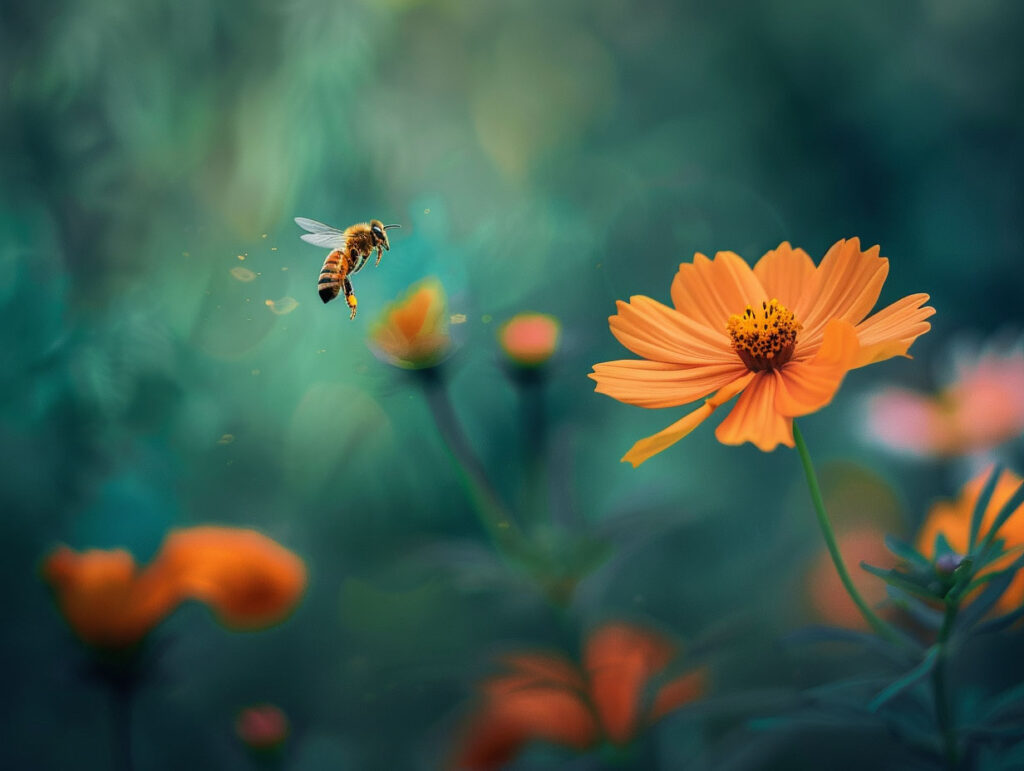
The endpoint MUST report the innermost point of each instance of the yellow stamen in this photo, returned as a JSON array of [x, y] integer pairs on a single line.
[[764, 339]]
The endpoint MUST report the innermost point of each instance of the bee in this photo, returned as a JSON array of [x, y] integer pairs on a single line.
[[350, 249]]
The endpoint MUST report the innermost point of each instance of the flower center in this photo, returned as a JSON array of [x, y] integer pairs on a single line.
[[764, 339]]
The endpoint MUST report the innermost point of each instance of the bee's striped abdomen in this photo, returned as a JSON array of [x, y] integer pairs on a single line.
[[331, 276]]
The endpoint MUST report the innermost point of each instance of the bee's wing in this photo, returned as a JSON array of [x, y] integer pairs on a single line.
[[313, 226], [334, 240], [320, 234]]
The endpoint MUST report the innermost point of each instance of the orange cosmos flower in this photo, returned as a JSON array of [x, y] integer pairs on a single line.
[[529, 339], [412, 332], [983, 407], [953, 520], [548, 698], [781, 336], [250, 580], [106, 600]]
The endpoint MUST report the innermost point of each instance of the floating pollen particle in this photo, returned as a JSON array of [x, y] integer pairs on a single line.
[[283, 306], [243, 274]]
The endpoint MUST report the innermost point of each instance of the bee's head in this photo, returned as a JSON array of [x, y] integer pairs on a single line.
[[380, 236]]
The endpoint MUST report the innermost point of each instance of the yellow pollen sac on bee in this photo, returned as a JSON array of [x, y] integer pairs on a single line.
[[764, 338]]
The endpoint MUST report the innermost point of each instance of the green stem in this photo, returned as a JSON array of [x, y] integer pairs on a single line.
[[881, 627], [942, 710], [121, 717], [491, 511], [533, 424]]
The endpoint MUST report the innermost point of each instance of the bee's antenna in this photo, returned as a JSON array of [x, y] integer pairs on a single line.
[[391, 226]]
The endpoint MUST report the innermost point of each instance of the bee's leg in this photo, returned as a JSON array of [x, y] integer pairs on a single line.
[[380, 252], [350, 298]]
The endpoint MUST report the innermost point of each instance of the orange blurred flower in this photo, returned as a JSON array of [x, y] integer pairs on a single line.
[[981, 408], [830, 600], [250, 580], [953, 520], [545, 697], [262, 726], [412, 332], [781, 335], [105, 598], [529, 339]]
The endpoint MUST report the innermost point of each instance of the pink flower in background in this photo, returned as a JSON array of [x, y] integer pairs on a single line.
[[983, 407], [262, 726], [529, 339]]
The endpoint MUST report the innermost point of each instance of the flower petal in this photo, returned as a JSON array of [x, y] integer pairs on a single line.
[[846, 286], [892, 330], [806, 386], [709, 291], [755, 418], [106, 599], [785, 273], [249, 580], [675, 693], [659, 333], [652, 445], [657, 384], [517, 717], [619, 660]]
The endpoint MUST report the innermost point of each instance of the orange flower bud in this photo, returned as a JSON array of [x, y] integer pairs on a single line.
[[529, 339], [412, 332]]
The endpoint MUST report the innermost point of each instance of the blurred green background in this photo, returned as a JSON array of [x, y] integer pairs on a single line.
[[540, 156]]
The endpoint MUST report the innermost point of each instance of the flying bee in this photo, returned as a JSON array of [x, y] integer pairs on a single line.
[[350, 249]]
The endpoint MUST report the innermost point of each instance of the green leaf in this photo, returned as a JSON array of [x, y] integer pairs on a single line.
[[997, 585], [825, 634], [982, 505], [989, 552], [925, 615], [912, 677], [1001, 623], [1007, 700], [904, 581], [1016, 500], [942, 546], [907, 553], [809, 719]]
